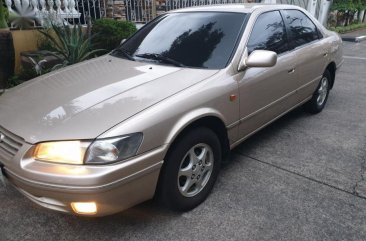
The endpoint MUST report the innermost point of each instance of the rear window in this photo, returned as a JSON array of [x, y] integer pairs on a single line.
[[301, 29]]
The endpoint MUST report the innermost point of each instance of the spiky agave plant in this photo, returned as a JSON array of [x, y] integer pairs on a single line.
[[70, 44]]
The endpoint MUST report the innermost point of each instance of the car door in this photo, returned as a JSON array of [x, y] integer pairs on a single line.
[[310, 48], [265, 93]]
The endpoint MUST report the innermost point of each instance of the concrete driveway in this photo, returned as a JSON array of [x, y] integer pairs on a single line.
[[301, 178]]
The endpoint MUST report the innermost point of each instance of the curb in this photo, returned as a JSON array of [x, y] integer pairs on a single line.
[[354, 39]]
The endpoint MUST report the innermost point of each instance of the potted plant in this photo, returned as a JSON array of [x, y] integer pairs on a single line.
[[6, 48]]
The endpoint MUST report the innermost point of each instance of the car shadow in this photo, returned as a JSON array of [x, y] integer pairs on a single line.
[[269, 132]]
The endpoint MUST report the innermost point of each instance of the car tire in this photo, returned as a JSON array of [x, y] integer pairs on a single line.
[[188, 175], [317, 102]]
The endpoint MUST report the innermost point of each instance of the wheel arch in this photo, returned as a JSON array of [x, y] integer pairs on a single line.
[[212, 120], [331, 67]]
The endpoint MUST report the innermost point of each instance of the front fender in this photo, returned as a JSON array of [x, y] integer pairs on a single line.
[[190, 118], [163, 122]]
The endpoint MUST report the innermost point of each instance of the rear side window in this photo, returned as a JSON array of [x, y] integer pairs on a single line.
[[268, 33], [301, 29]]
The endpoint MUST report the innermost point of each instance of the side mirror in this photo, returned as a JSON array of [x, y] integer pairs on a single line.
[[123, 40], [259, 58]]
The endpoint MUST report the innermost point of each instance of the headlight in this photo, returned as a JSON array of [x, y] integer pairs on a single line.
[[113, 149], [101, 151], [70, 152]]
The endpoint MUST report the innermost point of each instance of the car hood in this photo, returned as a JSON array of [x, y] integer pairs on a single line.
[[84, 100]]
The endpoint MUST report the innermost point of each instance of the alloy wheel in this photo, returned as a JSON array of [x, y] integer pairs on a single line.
[[195, 170], [322, 91]]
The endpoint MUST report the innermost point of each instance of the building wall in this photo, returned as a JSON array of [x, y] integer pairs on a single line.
[[24, 40]]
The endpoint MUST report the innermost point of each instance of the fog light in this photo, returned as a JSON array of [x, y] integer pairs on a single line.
[[84, 207]]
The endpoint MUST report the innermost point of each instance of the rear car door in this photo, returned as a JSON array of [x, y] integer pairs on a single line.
[[265, 93], [306, 41]]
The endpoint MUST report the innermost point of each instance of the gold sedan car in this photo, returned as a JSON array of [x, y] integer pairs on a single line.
[[157, 115]]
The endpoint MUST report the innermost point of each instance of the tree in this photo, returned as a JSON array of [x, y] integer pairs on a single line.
[[344, 9]]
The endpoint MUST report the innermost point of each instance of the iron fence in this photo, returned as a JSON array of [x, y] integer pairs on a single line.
[[300, 3], [139, 11]]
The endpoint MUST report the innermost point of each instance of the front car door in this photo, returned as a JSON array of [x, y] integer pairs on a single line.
[[266, 93], [310, 49]]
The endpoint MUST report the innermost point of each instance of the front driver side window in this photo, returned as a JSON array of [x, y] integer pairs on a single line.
[[269, 33]]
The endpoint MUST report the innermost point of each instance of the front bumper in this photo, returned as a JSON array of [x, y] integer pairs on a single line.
[[113, 188]]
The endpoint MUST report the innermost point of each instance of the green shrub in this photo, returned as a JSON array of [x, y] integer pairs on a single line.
[[110, 32], [24, 75]]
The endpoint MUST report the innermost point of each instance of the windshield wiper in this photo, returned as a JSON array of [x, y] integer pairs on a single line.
[[161, 58], [119, 51]]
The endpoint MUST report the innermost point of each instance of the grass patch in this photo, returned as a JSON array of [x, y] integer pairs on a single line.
[[349, 28]]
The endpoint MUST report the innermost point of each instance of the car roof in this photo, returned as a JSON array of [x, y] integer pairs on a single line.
[[240, 8]]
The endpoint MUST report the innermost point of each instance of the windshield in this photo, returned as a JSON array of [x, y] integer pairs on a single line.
[[191, 39]]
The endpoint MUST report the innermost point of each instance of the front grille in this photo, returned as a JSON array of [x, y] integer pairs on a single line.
[[9, 144]]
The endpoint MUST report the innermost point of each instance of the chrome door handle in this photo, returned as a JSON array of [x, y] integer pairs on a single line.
[[291, 71]]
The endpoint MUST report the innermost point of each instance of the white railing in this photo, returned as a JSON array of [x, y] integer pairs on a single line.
[[36, 12]]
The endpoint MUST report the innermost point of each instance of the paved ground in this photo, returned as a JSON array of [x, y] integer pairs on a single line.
[[355, 36], [357, 33], [302, 178]]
